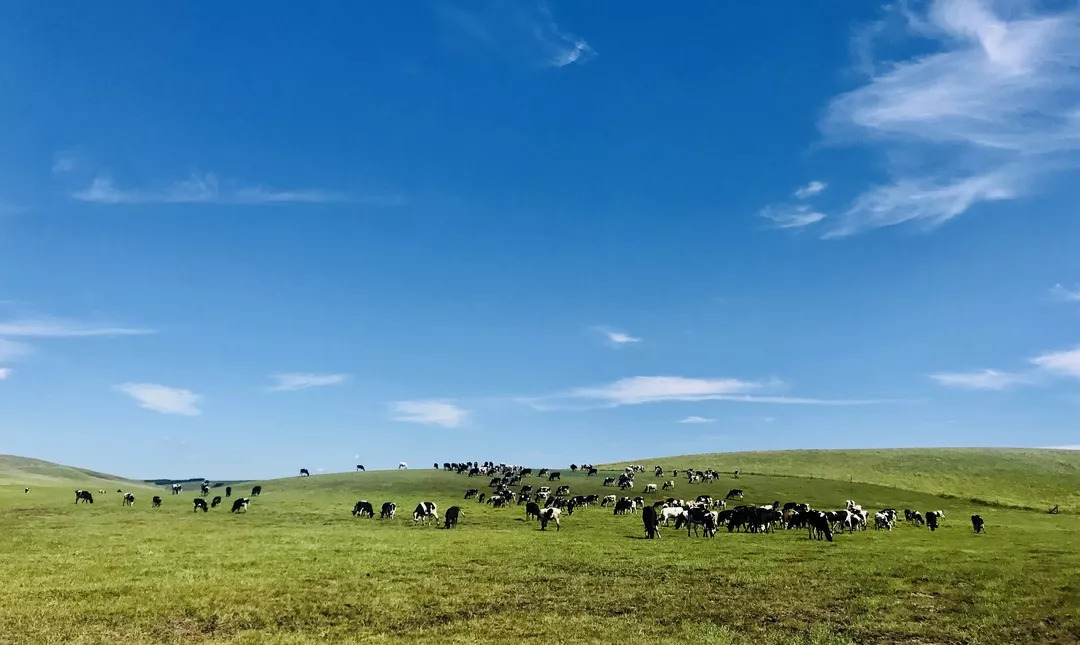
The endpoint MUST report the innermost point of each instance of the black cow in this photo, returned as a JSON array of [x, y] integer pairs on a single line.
[[652, 526], [977, 524], [129, 499], [554, 475], [363, 508], [623, 506], [214, 502], [228, 491], [480, 498], [818, 525], [733, 493], [156, 501], [304, 472], [532, 511], [83, 496], [451, 518], [256, 491], [436, 468], [472, 492], [388, 510], [240, 504], [932, 520], [360, 467], [200, 504]]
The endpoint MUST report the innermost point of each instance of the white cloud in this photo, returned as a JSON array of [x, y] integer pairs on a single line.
[[1064, 363], [1071, 447], [56, 328], [64, 162], [301, 381], [206, 189], [517, 31], [809, 190], [11, 350], [992, 107], [697, 420], [981, 379], [617, 338], [5, 372], [160, 398], [791, 216], [430, 412], [1065, 294]]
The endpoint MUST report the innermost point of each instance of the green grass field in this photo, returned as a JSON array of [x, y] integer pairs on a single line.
[[298, 568]]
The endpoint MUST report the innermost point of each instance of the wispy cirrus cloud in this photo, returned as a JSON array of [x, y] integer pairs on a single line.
[[292, 381], [59, 328], [206, 188], [516, 30], [985, 379], [991, 109], [436, 412], [791, 215], [615, 337], [163, 399], [1062, 293], [815, 187], [694, 419]]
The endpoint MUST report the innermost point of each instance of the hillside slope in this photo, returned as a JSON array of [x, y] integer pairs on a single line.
[[1027, 478], [24, 471]]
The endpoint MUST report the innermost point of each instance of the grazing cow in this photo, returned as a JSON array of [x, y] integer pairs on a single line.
[[214, 502], [256, 491], [650, 488], [550, 515], [592, 471], [472, 492], [915, 517], [480, 498], [240, 504], [609, 481], [608, 499], [668, 485], [562, 490], [652, 526], [658, 472], [119, 491], [818, 524], [402, 465], [626, 484], [200, 504], [451, 518], [437, 467], [625, 505], [977, 524], [204, 490], [156, 501], [698, 517], [101, 491], [932, 518], [360, 468], [733, 493], [388, 510], [554, 475], [304, 472], [26, 490], [363, 509], [176, 488], [532, 511], [129, 499], [425, 511], [882, 520], [228, 491], [669, 513]]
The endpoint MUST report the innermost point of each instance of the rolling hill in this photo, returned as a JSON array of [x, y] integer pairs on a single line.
[[1016, 477], [24, 471]]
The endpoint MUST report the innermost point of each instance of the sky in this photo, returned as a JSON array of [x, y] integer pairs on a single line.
[[240, 239]]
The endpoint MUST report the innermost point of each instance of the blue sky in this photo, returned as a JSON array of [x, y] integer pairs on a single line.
[[237, 240]]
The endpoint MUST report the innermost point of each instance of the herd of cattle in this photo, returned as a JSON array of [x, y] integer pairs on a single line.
[[703, 516]]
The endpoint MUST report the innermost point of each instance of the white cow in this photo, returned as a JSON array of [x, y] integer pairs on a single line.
[[669, 513], [650, 488], [550, 515]]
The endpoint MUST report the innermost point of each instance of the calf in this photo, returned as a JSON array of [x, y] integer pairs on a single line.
[[652, 526], [550, 515], [156, 501], [363, 508], [256, 491], [977, 524], [200, 504], [425, 511], [451, 518], [240, 504], [214, 502], [83, 496], [734, 493], [388, 510], [129, 499]]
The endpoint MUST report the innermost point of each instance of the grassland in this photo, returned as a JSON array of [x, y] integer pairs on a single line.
[[298, 568]]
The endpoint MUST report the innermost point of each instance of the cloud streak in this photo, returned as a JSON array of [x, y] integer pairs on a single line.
[[809, 190], [163, 399], [435, 412], [1062, 293], [791, 216], [292, 381], [989, 111], [986, 379], [1063, 363], [693, 419], [56, 328], [207, 189], [517, 31], [617, 338]]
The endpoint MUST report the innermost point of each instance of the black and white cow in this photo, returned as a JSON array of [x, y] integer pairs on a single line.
[[650, 488], [652, 525], [214, 502], [240, 504], [562, 491], [388, 511], [200, 504], [550, 515], [451, 517], [818, 525], [83, 496], [176, 488], [304, 472], [734, 493], [472, 492], [932, 518], [402, 465], [360, 468], [658, 472], [592, 471], [204, 490], [156, 501], [624, 506], [228, 491], [977, 524], [129, 499], [425, 511], [363, 508], [256, 491]]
